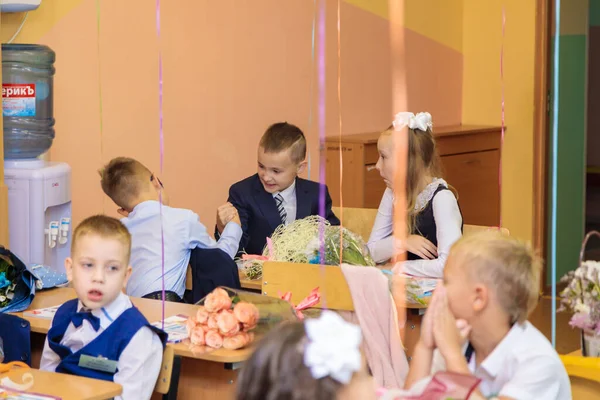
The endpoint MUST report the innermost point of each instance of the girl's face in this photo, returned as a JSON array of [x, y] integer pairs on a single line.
[[361, 387], [386, 164]]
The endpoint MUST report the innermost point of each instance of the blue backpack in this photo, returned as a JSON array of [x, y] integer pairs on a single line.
[[17, 283]]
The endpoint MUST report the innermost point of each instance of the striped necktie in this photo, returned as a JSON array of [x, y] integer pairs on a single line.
[[281, 208]]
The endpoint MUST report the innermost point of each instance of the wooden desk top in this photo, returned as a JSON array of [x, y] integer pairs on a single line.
[[438, 131], [67, 387], [250, 284], [151, 309]]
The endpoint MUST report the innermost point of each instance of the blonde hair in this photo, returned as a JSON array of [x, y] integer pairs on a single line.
[[422, 156], [505, 264], [105, 227], [123, 179]]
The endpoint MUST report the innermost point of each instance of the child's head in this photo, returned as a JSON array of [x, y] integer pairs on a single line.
[[494, 274], [298, 361], [99, 264], [281, 156], [423, 160], [128, 182]]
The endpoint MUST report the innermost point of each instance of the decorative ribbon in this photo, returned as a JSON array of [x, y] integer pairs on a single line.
[[312, 69], [162, 152], [254, 257], [312, 299], [554, 202], [502, 116], [27, 378], [100, 91], [339, 93]]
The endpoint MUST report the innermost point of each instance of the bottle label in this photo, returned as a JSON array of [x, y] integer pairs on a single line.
[[18, 100]]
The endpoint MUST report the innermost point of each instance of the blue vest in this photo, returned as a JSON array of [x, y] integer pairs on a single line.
[[109, 344]]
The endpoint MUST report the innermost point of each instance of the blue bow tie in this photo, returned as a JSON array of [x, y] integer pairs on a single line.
[[77, 319]]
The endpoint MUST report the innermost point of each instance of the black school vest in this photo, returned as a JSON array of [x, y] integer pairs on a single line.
[[425, 223]]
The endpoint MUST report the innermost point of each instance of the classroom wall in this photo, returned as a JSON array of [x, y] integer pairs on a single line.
[[230, 69], [482, 95], [593, 117]]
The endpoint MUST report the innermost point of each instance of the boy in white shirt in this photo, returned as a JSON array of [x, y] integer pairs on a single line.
[[100, 334], [491, 285], [136, 190]]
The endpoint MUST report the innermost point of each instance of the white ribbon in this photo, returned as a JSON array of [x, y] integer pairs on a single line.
[[27, 380], [333, 348], [421, 121]]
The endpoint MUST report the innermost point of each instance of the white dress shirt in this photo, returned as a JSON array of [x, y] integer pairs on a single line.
[[289, 202], [140, 362], [523, 366], [448, 221], [183, 232]]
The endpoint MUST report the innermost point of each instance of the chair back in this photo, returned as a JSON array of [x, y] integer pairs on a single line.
[[357, 220], [163, 383], [584, 373]]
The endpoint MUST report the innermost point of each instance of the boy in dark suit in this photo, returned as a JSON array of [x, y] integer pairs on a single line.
[[275, 195]]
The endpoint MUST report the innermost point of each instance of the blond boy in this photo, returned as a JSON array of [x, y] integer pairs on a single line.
[[137, 191], [491, 285], [100, 334]]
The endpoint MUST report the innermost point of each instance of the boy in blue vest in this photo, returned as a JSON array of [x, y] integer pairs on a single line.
[[275, 195], [100, 334]]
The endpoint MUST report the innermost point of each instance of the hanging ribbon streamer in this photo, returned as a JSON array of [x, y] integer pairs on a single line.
[[502, 115], [339, 94], [321, 74], [312, 70], [553, 211], [162, 152], [100, 92]]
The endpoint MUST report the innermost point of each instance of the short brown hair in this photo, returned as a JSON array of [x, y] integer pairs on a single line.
[[507, 265], [122, 180], [276, 369], [105, 227], [282, 136]]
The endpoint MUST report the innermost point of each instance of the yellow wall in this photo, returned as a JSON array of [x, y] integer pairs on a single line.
[[482, 95]]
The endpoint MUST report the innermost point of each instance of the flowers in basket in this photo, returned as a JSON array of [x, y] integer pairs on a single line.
[[302, 241], [223, 322], [582, 296]]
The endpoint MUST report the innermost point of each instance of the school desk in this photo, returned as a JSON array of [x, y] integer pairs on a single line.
[[67, 387], [210, 375]]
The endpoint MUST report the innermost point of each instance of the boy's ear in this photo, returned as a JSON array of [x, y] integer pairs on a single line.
[[302, 167], [156, 182], [69, 268], [127, 275], [481, 297]]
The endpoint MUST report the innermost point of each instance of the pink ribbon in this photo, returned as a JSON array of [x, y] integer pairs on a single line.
[[312, 299], [502, 116], [254, 257]]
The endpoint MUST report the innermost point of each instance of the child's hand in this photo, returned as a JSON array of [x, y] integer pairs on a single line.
[[226, 213], [427, 338], [445, 328], [420, 246]]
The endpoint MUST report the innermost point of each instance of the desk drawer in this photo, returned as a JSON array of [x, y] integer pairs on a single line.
[[475, 177]]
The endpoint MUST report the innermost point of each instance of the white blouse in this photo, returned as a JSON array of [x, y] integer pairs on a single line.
[[448, 221]]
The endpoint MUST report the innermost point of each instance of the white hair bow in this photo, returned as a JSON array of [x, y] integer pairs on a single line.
[[421, 121], [333, 347]]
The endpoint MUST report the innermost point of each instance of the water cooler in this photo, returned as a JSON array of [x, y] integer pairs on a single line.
[[39, 192]]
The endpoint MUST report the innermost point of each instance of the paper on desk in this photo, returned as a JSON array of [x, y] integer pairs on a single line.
[[175, 327], [6, 393], [45, 313]]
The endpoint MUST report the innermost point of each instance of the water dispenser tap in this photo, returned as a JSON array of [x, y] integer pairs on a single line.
[[52, 234], [65, 223]]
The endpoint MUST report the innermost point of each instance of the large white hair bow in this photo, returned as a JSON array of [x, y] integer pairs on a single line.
[[421, 121], [333, 347]]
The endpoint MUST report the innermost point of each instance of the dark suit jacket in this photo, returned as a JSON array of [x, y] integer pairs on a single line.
[[258, 212]]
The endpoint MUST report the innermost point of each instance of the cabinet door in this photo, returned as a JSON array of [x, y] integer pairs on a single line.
[[475, 177]]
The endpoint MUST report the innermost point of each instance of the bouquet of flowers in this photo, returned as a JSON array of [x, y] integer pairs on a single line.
[[302, 242], [7, 278], [229, 319], [582, 296]]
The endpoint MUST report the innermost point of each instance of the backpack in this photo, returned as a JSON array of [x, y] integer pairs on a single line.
[[17, 283]]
